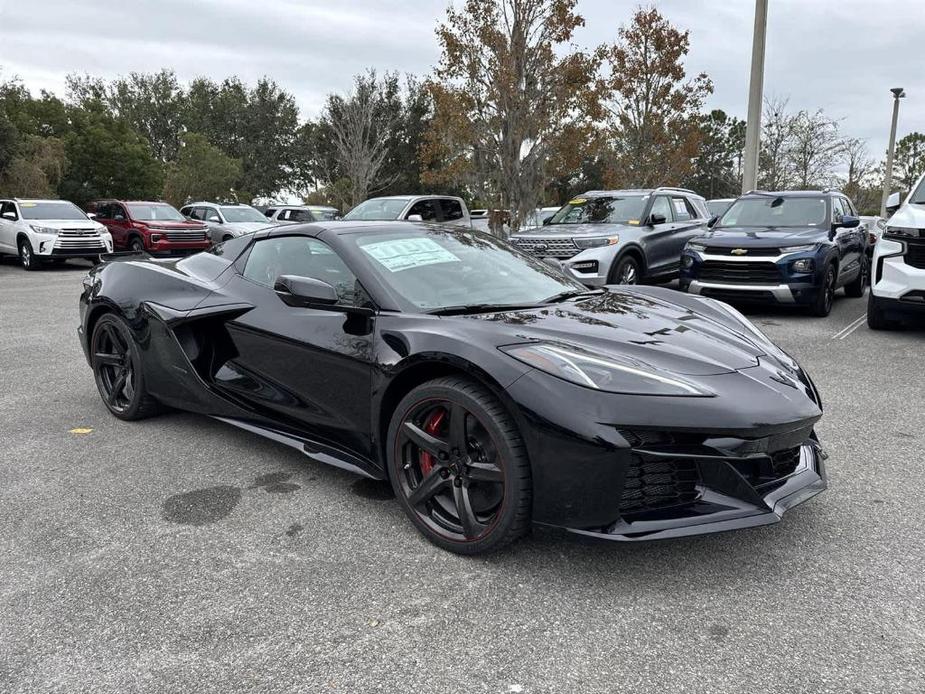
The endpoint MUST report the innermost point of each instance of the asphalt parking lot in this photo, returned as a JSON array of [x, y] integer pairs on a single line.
[[179, 554]]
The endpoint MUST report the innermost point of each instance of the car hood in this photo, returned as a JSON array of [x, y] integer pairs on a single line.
[[83, 225], [643, 325], [909, 215], [759, 237], [569, 230]]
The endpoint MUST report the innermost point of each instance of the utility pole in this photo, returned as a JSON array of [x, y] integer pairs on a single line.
[[898, 94], [755, 98]]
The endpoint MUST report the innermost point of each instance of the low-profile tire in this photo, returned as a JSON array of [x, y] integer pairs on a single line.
[[459, 467], [27, 256], [117, 370], [876, 319], [627, 271], [825, 297], [856, 288]]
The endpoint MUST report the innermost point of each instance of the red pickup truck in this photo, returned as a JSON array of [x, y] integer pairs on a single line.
[[155, 227]]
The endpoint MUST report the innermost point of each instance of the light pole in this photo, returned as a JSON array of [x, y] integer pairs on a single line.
[[898, 94], [755, 93]]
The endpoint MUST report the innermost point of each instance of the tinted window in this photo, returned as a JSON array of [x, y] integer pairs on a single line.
[[104, 211], [769, 211], [7, 207], [299, 216], [661, 205], [269, 213], [51, 210], [451, 209], [231, 248], [426, 208], [303, 257], [118, 212]]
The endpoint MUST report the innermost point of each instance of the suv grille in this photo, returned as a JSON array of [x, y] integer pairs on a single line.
[[752, 252], [71, 239], [547, 248], [651, 485], [739, 272], [184, 235], [915, 253]]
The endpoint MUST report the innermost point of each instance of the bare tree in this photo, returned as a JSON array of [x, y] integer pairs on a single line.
[[815, 150], [359, 126], [775, 169]]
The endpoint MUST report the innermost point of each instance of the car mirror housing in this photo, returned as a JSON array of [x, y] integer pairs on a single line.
[[656, 218], [713, 220], [10, 215], [893, 202], [304, 291], [850, 222], [415, 218]]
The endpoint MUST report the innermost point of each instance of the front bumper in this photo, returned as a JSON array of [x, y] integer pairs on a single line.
[[62, 246]]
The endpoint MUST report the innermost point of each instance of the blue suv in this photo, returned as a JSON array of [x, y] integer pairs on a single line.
[[791, 247]]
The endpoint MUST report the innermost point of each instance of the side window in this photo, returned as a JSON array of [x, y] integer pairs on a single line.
[[270, 212], [300, 216], [426, 208], [8, 207], [452, 210], [682, 210], [303, 257], [186, 211], [838, 210], [849, 208], [209, 214], [661, 205], [117, 212]]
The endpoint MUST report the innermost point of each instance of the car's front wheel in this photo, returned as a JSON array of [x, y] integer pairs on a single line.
[[136, 245], [459, 467], [27, 256], [627, 271], [856, 288], [825, 297], [116, 363]]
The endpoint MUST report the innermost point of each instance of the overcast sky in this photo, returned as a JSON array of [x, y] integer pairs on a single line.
[[839, 55]]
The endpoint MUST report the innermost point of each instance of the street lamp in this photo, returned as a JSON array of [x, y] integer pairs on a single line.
[[898, 94]]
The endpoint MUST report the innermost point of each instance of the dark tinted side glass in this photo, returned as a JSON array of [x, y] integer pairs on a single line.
[[451, 209]]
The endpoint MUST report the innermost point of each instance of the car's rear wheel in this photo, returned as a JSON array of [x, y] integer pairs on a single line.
[[876, 319], [27, 256], [856, 288], [117, 370], [825, 297], [627, 271], [459, 467]]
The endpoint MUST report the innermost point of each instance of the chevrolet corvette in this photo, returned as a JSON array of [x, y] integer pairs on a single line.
[[491, 390]]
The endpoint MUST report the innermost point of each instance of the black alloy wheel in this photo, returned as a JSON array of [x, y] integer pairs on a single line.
[[458, 466], [825, 297], [627, 271], [117, 370]]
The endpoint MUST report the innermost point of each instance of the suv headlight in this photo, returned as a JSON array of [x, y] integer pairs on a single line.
[[901, 233], [39, 229], [695, 246], [600, 372], [799, 249], [596, 242]]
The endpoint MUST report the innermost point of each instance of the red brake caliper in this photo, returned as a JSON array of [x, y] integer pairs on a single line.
[[431, 426]]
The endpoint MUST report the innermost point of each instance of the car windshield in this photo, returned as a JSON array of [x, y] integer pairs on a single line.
[[437, 269], [768, 211], [717, 207], [241, 214], [154, 212], [378, 210], [601, 210], [51, 210], [918, 195]]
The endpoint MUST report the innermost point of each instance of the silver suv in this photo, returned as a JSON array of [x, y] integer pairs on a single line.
[[226, 220], [619, 236]]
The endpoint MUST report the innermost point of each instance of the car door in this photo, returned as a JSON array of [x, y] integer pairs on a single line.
[[119, 223], [8, 227], [847, 241], [658, 242], [310, 368], [688, 224]]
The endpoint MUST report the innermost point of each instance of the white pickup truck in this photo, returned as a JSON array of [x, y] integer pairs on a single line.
[[442, 209]]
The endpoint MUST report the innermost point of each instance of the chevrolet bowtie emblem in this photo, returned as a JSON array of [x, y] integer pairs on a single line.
[[738, 251]]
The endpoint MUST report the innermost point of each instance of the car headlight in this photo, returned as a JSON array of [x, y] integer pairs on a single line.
[[597, 242], [39, 229], [600, 372], [901, 233], [798, 249], [694, 246]]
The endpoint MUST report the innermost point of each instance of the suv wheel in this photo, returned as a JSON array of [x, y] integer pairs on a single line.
[[627, 271], [136, 244], [27, 256], [822, 305], [856, 288]]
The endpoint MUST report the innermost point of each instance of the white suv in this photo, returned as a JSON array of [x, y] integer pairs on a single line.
[[898, 271], [39, 231]]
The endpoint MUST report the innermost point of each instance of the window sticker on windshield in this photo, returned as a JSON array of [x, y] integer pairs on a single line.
[[403, 254], [634, 222], [577, 201], [27, 204]]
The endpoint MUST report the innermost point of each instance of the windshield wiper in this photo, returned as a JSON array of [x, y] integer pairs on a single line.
[[462, 309], [571, 294]]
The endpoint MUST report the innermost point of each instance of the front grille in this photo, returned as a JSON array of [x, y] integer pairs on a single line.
[[184, 235], [752, 252], [733, 296], [915, 253], [79, 239], [654, 485], [739, 272], [784, 462], [547, 248]]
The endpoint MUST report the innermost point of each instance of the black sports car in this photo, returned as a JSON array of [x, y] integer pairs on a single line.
[[489, 388]]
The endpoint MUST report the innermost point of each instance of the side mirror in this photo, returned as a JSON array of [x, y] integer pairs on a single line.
[[214, 218], [547, 220], [713, 220], [91, 215], [10, 215], [414, 218], [304, 291], [850, 222], [656, 218], [894, 202]]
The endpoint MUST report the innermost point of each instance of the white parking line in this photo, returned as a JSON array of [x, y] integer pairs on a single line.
[[850, 328]]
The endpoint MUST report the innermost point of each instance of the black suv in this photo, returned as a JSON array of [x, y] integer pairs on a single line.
[[790, 247]]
